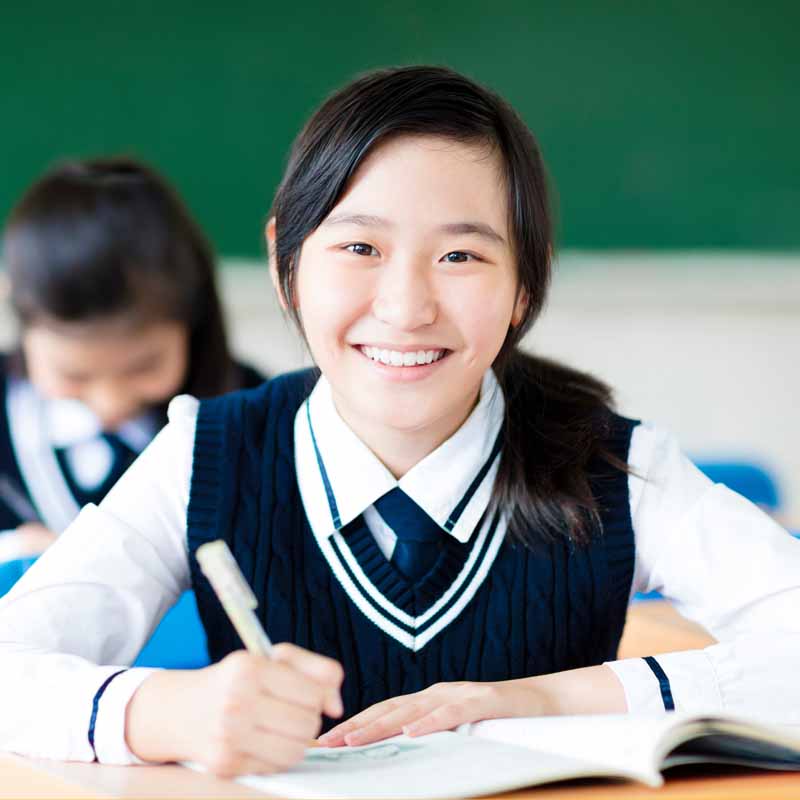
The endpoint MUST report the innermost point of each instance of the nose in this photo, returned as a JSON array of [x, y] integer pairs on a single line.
[[112, 404], [404, 296]]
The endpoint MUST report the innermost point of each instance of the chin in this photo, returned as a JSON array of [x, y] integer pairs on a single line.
[[404, 416]]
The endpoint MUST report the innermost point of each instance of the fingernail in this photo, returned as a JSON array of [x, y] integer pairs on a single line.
[[352, 738]]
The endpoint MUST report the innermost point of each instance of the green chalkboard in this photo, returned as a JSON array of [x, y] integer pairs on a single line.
[[664, 125]]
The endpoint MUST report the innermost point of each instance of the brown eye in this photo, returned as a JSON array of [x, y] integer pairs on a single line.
[[457, 257], [361, 249]]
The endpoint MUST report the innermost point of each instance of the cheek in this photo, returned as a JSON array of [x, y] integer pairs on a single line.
[[158, 388], [330, 302], [165, 383], [483, 316], [49, 383]]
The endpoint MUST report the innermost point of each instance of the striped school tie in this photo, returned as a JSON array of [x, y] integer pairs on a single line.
[[419, 538]]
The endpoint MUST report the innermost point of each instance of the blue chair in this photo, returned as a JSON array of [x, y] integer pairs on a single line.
[[751, 480], [12, 571], [179, 642]]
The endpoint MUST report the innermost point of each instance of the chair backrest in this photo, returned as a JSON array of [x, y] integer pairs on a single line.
[[12, 571], [179, 642]]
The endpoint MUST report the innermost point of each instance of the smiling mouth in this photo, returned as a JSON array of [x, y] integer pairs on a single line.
[[400, 358]]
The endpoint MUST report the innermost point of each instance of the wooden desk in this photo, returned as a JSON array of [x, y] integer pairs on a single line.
[[653, 626], [27, 779]]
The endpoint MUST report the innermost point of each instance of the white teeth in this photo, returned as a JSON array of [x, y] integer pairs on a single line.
[[396, 358]]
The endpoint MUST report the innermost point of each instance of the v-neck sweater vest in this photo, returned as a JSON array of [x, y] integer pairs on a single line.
[[490, 610]]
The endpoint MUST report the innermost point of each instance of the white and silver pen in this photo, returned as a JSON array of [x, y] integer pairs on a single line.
[[237, 598]]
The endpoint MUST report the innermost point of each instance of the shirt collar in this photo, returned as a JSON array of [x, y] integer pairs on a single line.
[[69, 422], [357, 478]]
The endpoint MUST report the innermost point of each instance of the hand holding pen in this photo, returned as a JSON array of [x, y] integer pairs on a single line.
[[255, 711]]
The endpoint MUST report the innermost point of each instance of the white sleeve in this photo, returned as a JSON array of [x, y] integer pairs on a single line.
[[83, 611], [726, 565]]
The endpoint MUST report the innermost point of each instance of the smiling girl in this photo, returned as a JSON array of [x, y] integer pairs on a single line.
[[443, 528]]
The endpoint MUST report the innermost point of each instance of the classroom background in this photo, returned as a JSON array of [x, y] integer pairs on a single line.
[[670, 131]]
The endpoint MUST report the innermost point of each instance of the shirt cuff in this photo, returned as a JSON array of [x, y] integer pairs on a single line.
[[692, 681], [109, 731]]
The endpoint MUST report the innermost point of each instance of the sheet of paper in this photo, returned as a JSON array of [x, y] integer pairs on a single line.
[[442, 765]]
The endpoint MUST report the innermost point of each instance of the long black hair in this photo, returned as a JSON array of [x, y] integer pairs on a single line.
[[556, 418], [98, 238]]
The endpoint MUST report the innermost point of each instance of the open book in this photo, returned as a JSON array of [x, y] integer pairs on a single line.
[[498, 755]]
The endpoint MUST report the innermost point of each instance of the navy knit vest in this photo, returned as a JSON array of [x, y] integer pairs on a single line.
[[540, 609]]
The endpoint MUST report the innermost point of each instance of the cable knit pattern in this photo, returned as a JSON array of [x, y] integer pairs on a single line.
[[540, 609]]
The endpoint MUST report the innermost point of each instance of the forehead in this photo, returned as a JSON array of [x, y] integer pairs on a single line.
[[430, 178], [97, 344]]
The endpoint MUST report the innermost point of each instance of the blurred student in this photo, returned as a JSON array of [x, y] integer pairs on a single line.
[[112, 284]]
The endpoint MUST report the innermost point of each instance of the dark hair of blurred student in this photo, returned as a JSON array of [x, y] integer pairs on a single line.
[[113, 286]]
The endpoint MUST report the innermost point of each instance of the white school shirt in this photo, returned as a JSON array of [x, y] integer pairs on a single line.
[[37, 426], [98, 592]]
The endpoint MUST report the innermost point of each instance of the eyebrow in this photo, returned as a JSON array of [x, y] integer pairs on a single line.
[[369, 221]]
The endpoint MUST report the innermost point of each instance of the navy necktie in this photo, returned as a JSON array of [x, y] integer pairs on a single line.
[[123, 456], [419, 538]]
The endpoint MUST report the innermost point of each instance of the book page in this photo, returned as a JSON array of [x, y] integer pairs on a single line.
[[623, 742], [643, 742], [441, 765]]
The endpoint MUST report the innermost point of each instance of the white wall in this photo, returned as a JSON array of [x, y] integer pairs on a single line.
[[706, 345]]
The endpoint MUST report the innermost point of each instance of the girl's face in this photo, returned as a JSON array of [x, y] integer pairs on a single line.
[[118, 370], [408, 288]]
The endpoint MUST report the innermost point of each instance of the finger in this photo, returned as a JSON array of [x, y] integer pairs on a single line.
[[321, 669], [285, 719], [335, 736], [390, 724], [243, 747], [229, 765], [273, 750], [286, 683], [444, 718], [234, 750]]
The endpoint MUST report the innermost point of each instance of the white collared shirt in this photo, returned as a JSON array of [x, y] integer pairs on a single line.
[[437, 483], [124, 563], [38, 426], [75, 428]]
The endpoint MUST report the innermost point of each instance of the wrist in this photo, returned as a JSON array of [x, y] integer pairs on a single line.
[[588, 690], [538, 698], [155, 727]]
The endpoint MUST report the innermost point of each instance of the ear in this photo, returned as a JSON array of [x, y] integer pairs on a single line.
[[520, 307], [269, 235]]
